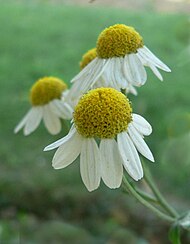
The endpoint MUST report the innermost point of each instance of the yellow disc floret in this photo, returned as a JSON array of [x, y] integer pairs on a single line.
[[117, 41], [45, 90], [88, 57], [103, 113]]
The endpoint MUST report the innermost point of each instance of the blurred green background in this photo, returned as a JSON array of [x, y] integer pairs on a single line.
[[41, 205]]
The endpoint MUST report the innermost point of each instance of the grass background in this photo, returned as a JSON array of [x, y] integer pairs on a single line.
[[41, 205]]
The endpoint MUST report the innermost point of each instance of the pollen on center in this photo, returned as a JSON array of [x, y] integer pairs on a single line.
[[46, 89], [117, 41], [102, 113]]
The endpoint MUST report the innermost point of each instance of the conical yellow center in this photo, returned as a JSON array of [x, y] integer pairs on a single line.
[[45, 90], [117, 41], [103, 113], [88, 57]]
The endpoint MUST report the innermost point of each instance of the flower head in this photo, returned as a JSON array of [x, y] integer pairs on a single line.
[[104, 114], [120, 62], [46, 89], [117, 41], [47, 99]]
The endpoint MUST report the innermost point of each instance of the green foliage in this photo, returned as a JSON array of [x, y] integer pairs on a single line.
[[41, 39]]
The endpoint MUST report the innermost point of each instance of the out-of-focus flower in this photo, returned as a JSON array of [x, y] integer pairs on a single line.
[[48, 104], [106, 135]]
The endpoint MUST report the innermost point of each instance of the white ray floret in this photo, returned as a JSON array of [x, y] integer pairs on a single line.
[[119, 73], [119, 60], [107, 160], [50, 113]]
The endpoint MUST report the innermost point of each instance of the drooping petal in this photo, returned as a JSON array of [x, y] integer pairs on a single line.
[[51, 120], [22, 123], [98, 71], [68, 151], [62, 140], [61, 109], [151, 58], [64, 94], [123, 83], [156, 72], [86, 79], [132, 90], [141, 125], [90, 164], [68, 111], [85, 70], [128, 152], [111, 164], [134, 70], [113, 74], [33, 120], [140, 143]]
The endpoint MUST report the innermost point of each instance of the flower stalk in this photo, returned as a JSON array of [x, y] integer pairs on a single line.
[[162, 201], [145, 202]]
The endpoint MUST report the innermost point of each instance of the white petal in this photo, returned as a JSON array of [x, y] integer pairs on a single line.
[[106, 76], [111, 163], [123, 82], [140, 143], [84, 81], [99, 83], [113, 76], [33, 120], [120, 81], [141, 125], [135, 71], [68, 151], [85, 70], [76, 91], [143, 60], [98, 71], [152, 59], [132, 90], [91, 72], [64, 94], [22, 123], [51, 120], [156, 72], [90, 164], [62, 140], [61, 109], [131, 160]]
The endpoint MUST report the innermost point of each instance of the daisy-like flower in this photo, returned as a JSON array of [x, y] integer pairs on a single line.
[[47, 99], [79, 89], [106, 135], [121, 57]]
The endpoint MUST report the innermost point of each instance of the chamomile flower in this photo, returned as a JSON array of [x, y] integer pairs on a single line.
[[121, 57], [106, 135], [48, 104], [79, 89]]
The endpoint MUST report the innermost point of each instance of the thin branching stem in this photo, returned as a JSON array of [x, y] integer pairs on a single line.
[[159, 196], [159, 213]]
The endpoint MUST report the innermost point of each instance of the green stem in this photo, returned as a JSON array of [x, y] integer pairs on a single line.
[[146, 196], [143, 194], [145, 203], [159, 196]]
